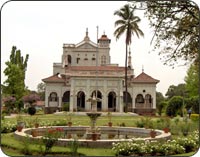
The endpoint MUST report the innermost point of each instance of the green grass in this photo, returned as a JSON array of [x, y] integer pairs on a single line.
[[186, 154], [15, 147]]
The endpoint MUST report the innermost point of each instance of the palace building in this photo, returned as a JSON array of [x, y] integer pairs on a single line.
[[85, 69]]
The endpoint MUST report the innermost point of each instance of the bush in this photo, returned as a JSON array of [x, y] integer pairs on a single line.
[[174, 106], [31, 110], [65, 107], [194, 117], [153, 148]]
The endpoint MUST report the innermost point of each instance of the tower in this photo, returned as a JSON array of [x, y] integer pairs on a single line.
[[104, 50], [104, 42]]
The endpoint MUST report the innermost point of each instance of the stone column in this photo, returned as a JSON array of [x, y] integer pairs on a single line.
[[154, 100], [104, 103], [71, 106], [117, 103], [121, 104], [46, 98]]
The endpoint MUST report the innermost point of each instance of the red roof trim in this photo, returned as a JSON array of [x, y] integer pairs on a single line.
[[144, 78]]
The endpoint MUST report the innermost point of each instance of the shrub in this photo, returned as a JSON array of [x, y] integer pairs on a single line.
[[174, 106], [65, 107], [74, 147], [171, 147], [161, 106], [194, 117], [31, 110]]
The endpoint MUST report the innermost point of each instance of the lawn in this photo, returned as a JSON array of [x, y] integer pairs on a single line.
[[15, 147]]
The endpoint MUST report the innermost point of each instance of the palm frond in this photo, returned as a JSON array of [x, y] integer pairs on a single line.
[[120, 22]]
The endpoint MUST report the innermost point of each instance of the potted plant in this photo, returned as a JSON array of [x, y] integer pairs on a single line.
[[166, 125], [20, 123], [34, 132], [109, 114], [152, 133]]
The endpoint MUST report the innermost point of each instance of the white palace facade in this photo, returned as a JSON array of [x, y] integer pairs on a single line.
[[85, 69]]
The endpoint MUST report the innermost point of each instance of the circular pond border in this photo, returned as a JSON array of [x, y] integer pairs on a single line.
[[160, 135]]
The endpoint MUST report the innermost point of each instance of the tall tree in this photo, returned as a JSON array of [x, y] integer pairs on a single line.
[[14, 85], [176, 29], [192, 80], [41, 90], [17, 59], [179, 90], [128, 24]]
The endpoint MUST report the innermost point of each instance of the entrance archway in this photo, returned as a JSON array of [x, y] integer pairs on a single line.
[[112, 101], [99, 95], [66, 97], [80, 101]]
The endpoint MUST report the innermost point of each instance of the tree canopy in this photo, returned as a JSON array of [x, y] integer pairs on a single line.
[[179, 90], [192, 80], [176, 29], [14, 85]]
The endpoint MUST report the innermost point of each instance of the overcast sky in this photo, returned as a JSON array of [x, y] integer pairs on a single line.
[[40, 29]]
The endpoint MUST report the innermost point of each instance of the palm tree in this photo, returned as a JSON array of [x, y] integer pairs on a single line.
[[128, 24]]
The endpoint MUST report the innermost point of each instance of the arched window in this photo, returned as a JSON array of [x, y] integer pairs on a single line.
[[139, 98], [53, 96], [103, 59], [148, 98]]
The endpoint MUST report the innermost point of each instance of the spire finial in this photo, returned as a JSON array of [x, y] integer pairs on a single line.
[[86, 35], [142, 68], [104, 32], [86, 31]]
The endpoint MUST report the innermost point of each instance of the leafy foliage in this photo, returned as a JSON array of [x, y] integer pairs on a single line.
[[31, 98], [179, 90], [31, 110], [176, 29], [192, 80], [14, 85], [174, 106], [137, 147], [41, 90], [161, 106]]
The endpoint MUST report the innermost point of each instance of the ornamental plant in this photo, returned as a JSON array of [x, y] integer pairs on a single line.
[[137, 147], [51, 137]]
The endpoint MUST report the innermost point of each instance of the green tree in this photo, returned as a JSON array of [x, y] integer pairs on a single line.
[[192, 80], [41, 90], [128, 24], [161, 106], [175, 106], [14, 84], [179, 90], [159, 97], [15, 71], [176, 28]]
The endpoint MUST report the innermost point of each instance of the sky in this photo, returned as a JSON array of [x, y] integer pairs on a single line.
[[40, 29]]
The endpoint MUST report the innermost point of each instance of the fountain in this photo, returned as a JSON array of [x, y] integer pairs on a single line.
[[93, 132]]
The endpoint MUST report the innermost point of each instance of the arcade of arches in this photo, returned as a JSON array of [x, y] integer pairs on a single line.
[[141, 101]]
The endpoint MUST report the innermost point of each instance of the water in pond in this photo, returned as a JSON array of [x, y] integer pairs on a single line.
[[104, 135]]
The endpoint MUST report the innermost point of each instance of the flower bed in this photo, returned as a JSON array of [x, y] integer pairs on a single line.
[[170, 147]]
